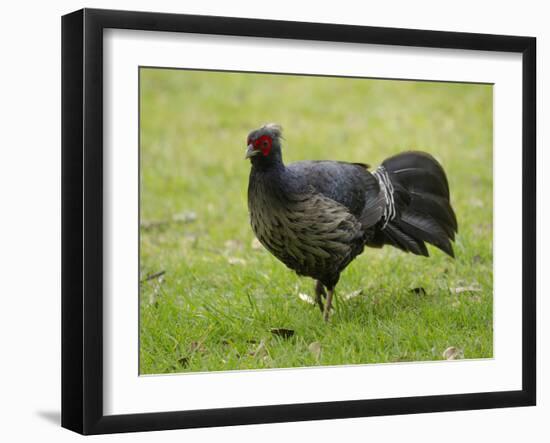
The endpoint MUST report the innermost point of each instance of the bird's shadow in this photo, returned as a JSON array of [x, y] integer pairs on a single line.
[[378, 302], [53, 417]]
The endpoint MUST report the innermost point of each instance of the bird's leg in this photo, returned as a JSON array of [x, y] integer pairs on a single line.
[[328, 305], [320, 293]]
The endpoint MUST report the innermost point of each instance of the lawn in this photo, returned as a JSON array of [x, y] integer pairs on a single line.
[[212, 299]]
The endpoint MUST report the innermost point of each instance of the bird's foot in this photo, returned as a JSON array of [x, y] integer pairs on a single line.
[[328, 305]]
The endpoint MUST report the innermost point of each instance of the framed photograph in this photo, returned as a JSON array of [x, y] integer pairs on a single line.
[[268, 221]]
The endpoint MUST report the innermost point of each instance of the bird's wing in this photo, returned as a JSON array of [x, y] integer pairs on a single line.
[[349, 184]]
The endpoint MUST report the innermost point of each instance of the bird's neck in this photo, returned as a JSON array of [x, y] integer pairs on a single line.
[[272, 163], [267, 179]]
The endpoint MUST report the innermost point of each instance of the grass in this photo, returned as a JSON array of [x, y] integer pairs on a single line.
[[220, 295]]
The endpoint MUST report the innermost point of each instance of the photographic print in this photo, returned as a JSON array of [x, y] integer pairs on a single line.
[[250, 204], [294, 221]]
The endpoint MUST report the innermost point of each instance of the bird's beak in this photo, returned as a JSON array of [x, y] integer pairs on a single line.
[[250, 152]]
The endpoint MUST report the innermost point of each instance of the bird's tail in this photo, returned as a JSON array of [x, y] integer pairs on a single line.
[[418, 207]]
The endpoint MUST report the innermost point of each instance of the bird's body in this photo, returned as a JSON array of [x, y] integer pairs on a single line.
[[317, 216], [296, 215]]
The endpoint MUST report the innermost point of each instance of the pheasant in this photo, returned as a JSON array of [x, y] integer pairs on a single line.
[[317, 216]]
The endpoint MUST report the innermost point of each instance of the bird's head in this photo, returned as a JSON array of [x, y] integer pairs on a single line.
[[264, 144]]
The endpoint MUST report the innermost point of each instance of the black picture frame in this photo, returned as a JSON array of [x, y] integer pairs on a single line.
[[82, 220]]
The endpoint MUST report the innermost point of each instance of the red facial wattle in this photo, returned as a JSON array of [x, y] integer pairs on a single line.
[[264, 143]]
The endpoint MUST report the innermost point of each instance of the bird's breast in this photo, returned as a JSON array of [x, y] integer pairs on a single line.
[[308, 232]]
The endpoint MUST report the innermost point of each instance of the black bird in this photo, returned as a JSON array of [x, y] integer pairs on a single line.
[[317, 216]]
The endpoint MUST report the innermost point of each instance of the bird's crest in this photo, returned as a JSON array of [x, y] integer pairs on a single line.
[[275, 128]]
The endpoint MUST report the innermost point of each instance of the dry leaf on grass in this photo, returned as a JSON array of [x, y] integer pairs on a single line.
[[157, 280], [236, 261], [185, 217], [306, 298], [153, 276], [350, 295], [452, 353], [315, 349], [462, 289], [256, 245], [282, 332], [152, 224], [260, 351], [197, 346], [233, 245], [477, 203], [418, 291]]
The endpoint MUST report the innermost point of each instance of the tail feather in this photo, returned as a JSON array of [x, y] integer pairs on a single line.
[[405, 242], [437, 208], [417, 160], [418, 179], [419, 204], [424, 227]]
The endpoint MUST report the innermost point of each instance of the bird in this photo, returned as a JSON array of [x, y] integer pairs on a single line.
[[316, 216]]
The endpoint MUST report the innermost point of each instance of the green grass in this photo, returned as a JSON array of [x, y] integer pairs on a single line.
[[219, 296]]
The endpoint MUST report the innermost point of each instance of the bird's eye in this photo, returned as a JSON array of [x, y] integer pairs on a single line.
[[263, 143]]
